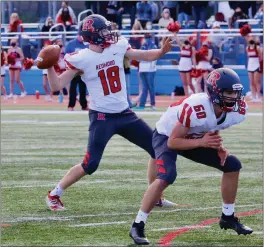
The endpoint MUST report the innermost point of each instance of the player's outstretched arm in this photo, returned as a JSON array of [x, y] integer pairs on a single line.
[[59, 82], [150, 55]]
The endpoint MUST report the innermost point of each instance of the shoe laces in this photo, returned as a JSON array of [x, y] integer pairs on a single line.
[[56, 200]]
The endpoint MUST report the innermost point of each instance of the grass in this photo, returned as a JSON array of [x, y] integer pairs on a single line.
[[36, 153]]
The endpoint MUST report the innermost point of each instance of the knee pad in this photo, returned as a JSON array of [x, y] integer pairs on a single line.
[[90, 164], [169, 175], [232, 164]]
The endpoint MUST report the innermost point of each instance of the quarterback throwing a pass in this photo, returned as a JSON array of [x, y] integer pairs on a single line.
[[101, 68], [191, 128]]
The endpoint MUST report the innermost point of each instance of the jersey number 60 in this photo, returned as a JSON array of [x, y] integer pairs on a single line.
[[113, 80]]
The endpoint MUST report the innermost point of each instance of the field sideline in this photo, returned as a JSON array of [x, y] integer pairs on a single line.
[[39, 145]]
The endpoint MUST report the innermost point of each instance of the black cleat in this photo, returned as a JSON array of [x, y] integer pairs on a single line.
[[234, 224], [137, 233]]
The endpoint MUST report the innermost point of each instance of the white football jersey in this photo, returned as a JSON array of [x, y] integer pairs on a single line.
[[197, 113], [103, 74]]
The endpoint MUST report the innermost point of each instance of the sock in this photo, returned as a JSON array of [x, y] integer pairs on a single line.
[[141, 216], [58, 191], [228, 209]]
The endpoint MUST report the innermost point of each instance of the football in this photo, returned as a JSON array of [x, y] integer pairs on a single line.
[[48, 56]]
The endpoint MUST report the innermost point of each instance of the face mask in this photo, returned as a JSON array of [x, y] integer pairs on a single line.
[[252, 42], [166, 15], [60, 46], [186, 42], [50, 24], [13, 44]]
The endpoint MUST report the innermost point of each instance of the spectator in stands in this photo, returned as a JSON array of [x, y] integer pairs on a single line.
[[204, 64], [172, 6], [64, 4], [199, 13], [65, 18], [136, 42], [16, 53], [15, 24], [184, 13], [255, 56], [127, 7], [47, 25], [48, 96], [144, 12], [155, 39], [113, 10], [259, 14], [187, 62], [244, 6], [165, 19], [155, 12], [147, 71], [216, 41], [74, 46], [3, 63], [238, 15]]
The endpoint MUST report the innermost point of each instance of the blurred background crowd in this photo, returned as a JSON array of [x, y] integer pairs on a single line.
[[142, 23]]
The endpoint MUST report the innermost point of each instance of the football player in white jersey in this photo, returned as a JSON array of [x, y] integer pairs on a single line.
[[101, 68], [191, 128]]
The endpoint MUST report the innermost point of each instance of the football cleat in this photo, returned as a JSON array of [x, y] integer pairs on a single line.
[[137, 233], [234, 224], [54, 203], [165, 203]]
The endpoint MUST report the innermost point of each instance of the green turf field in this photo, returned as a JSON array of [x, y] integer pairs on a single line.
[[37, 150]]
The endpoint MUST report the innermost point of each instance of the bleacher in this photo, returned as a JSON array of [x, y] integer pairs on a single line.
[[233, 52]]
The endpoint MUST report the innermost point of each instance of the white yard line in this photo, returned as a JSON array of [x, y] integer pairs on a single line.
[[57, 112], [100, 224], [70, 217]]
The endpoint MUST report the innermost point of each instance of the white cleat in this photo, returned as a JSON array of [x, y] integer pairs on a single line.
[[54, 203], [23, 94], [10, 96], [165, 203]]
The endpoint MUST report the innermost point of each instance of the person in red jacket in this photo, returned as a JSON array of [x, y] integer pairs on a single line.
[[65, 18], [15, 23]]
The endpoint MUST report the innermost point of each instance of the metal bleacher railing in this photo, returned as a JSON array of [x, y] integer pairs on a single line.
[[234, 52]]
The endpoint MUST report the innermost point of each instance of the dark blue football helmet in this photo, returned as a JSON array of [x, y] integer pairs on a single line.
[[225, 80], [95, 29]]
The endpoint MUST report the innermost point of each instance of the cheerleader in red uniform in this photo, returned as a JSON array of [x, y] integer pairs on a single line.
[[3, 62], [16, 56], [254, 69], [204, 65], [187, 62]]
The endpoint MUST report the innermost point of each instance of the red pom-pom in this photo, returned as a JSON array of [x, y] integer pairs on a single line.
[[28, 63], [174, 27], [135, 63], [195, 73], [11, 59], [245, 30]]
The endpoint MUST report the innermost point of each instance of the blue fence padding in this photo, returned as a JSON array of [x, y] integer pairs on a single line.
[[165, 81]]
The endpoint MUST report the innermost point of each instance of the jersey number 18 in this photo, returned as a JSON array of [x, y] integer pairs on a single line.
[[110, 80]]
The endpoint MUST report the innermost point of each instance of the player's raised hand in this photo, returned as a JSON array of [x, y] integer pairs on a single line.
[[211, 140], [167, 45]]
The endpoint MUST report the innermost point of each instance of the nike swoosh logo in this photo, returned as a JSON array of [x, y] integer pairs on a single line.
[[115, 53], [225, 208]]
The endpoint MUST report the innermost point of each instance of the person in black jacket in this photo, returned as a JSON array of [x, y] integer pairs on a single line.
[[199, 12]]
